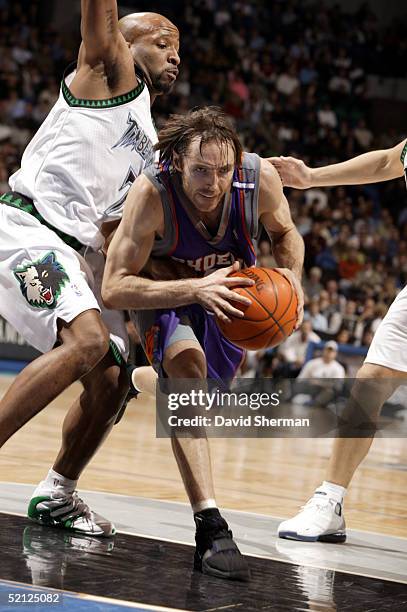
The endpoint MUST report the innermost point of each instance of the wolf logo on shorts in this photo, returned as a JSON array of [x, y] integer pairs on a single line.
[[41, 281]]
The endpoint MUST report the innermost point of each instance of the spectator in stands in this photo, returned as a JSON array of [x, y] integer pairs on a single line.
[[325, 366], [292, 352], [319, 321], [343, 336], [350, 318], [320, 371], [312, 283], [363, 135]]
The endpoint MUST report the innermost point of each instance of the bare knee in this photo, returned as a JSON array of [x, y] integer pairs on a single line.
[[373, 371], [375, 384], [90, 349], [189, 363], [87, 341]]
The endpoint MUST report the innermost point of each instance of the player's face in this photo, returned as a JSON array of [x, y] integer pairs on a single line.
[[156, 53], [207, 173]]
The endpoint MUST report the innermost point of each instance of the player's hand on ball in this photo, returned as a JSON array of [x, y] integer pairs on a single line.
[[296, 285], [214, 292], [293, 172]]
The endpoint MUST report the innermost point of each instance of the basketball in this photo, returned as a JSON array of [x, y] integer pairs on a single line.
[[270, 318]]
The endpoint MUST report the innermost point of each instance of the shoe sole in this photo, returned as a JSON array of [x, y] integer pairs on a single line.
[[71, 529], [242, 575], [332, 538]]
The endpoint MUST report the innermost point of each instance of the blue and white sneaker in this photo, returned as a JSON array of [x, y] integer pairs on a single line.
[[320, 520]]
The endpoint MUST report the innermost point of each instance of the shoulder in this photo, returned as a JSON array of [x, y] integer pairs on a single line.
[[143, 200], [144, 188], [271, 187], [268, 173]]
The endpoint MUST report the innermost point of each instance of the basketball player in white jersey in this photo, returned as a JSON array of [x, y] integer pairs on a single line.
[[70, 189], [384, 368]]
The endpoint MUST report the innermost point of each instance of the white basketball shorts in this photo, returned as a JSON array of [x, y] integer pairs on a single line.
[[389, 344], [41, 280]]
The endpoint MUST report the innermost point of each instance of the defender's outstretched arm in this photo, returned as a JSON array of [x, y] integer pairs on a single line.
[[371, 167]]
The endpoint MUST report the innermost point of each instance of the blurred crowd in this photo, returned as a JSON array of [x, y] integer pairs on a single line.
[[293, 75]]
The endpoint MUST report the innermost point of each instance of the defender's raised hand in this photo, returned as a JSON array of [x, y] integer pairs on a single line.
[[293, 172]]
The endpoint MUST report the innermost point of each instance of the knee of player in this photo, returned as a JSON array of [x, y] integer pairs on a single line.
[[371, 371], [190, 363], [89, 349]]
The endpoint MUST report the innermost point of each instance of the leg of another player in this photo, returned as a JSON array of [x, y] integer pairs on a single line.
[[88, 422], [91, 417], [216, 552], [84, 342], [322, 517], [373, 386]]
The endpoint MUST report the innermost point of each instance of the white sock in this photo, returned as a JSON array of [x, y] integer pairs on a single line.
[[57, 481], [335, 491], [204, 505]]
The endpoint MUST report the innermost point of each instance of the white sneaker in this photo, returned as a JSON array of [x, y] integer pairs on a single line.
[[320, 520], [56, 508]]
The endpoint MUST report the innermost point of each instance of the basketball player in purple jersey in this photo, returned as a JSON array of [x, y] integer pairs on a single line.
[[202, 206]]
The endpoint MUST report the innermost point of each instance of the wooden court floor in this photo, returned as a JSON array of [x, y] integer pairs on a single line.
[[265, 476]]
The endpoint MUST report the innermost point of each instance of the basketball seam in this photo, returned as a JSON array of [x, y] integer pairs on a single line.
[[265, 331], [267, 310], [291, 288], [285, 335], [253, 320]]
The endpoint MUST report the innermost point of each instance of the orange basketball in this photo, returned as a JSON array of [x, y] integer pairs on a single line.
[[270, 318]]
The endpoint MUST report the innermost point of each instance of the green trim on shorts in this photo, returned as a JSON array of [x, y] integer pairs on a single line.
[[403, 154], [116, 353], [26, 205]]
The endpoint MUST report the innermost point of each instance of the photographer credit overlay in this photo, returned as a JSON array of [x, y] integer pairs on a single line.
[[294, 408]]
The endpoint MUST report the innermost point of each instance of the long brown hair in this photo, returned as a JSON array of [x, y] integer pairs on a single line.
[[209, 123]]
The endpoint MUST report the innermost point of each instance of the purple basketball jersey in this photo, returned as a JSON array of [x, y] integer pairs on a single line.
[[187, 240]]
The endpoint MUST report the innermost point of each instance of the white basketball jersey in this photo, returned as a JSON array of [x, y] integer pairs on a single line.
[[82, 161]]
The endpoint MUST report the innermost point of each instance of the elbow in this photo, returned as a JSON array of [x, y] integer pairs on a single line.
[[110, 296]]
